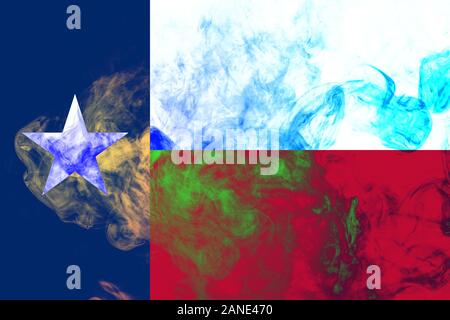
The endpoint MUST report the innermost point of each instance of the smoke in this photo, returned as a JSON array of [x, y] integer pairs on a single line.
[[116, 102], [275, 65], [113, 291]]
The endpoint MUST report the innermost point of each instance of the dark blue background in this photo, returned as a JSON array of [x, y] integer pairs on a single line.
[[42, 65]]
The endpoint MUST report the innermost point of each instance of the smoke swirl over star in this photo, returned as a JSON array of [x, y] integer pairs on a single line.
[[119, 101]]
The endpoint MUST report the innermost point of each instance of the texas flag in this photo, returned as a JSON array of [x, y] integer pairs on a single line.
[[299, 149]]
